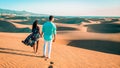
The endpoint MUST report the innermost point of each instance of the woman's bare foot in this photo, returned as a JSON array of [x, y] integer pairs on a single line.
[[37, 53]]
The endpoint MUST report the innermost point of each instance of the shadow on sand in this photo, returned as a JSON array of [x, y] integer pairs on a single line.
[[103, 28], [97, 45], [2, 50], [61, 28], [14, 50]]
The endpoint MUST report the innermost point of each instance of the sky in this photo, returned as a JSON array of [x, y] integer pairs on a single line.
[[65, 7]]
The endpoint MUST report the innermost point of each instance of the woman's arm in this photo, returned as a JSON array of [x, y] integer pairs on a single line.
[[41, 35]]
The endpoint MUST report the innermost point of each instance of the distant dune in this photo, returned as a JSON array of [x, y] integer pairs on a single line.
[[9, 27], [104, 28]]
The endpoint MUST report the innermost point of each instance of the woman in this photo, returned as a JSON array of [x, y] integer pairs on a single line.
[[33, 37]]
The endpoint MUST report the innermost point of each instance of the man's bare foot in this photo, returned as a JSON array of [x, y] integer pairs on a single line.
[[46, 58]]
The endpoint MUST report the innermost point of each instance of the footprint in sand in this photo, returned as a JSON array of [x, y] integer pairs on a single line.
[[51, 65]]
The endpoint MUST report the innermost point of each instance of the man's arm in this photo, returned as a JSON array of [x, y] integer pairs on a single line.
[[54, 32], [54, 38]]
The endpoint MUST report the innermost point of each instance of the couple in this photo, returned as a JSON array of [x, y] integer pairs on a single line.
[[48, 33]]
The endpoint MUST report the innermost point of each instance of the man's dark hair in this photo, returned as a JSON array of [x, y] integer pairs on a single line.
[[51, 17]]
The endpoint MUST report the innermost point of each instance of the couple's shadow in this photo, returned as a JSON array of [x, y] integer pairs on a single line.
[[14, 52]]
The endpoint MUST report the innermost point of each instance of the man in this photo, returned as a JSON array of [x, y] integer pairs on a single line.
[[49, 34]]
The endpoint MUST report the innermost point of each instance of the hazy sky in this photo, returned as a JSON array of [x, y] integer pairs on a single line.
[[66, 7]]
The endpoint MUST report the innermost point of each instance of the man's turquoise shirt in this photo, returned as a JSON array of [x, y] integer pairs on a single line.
[[48, 29]]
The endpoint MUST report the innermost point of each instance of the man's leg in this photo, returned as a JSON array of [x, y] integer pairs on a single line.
[[49, 48], [44, 48]]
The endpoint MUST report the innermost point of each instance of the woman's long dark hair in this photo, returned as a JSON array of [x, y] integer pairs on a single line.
[[34, 24]]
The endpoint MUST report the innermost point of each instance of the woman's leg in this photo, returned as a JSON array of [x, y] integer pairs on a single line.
[[49, 48], [34, 48], [44, 48], [37, 46]]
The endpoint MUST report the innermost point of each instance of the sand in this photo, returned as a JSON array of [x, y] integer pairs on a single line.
[[78, 48]]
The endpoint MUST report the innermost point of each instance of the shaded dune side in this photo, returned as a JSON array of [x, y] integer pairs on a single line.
[[97, 45], [63, 28], [103, 28], [9, 27]]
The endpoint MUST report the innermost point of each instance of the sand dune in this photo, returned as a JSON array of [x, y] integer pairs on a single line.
[[6, 26], [104, 28], [19, 25], [72, 49]]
